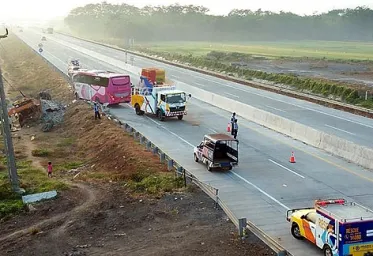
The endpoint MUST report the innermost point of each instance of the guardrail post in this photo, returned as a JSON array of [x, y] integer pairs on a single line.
[[162, 157], [170, 164], [135, 134], [241, 226], [142, 139], [179, 171], [184, 174], [148, 145], [216, 197], [155, 150]]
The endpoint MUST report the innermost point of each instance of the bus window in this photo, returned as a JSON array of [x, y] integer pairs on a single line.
[[97, 81], [119, 81]]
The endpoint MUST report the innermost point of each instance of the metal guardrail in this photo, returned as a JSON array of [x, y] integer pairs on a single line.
[[272, 88], [211, 191]]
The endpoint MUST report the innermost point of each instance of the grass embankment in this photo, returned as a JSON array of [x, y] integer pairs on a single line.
[[346, 51], [99, 149], [218, 57]]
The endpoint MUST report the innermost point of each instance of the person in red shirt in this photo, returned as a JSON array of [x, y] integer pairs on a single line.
[[50, 169]]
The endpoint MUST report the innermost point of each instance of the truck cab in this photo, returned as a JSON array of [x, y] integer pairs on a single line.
[[338, 227]]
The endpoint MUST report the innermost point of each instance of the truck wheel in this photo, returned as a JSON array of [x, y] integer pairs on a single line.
[[195, 158], [327, 250], [209, 167], [295, 231], [180, 117], [139, 112], [160, 115]]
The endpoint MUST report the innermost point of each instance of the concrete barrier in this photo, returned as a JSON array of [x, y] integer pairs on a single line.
[[335, 145]]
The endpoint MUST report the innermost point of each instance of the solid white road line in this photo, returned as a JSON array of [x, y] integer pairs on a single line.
[[260, 190], [286, 168]]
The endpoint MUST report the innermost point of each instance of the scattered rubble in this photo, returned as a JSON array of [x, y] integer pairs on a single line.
[[52, 114]]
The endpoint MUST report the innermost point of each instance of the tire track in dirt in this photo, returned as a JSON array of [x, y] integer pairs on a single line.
[[89, 201]]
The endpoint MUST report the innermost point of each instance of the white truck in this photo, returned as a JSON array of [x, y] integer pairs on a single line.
[[162, 101]]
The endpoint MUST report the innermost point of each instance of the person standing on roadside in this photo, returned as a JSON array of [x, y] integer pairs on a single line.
[[235, 129], [50, 168], [233, 118], [97, 111]]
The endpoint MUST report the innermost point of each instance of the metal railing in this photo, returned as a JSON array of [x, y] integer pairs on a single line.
[[188, 177]]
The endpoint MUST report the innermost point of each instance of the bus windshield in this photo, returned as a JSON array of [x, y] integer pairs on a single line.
[[176, 98]]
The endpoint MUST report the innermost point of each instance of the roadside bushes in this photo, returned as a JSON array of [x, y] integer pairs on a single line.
[[220, 62]]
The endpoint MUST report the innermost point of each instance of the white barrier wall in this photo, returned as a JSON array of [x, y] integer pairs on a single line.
[[355, 153]]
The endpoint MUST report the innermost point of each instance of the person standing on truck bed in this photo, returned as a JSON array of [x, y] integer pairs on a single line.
[[233, 118], [235, 129]]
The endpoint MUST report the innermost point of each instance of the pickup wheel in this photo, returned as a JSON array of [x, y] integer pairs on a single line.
[[327, 251], [295, 231], [195, 158], [138, 111], [180, 117]]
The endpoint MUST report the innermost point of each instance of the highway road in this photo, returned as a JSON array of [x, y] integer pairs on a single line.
[[346, 125], [265, 184]]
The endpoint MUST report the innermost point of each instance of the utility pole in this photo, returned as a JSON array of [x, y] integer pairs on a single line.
[[8, 142]]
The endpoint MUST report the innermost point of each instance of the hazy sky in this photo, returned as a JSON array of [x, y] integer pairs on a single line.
[[45, 9]]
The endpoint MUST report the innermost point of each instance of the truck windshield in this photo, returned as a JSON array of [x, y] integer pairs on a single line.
[[176, 98]]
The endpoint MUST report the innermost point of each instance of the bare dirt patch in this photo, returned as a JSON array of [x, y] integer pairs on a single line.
[[100, 213]]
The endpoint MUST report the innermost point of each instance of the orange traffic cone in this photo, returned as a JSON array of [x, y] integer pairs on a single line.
[[229, 127], [292, 158]]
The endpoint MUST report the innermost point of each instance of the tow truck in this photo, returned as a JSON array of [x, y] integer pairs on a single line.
[[338, 227], [153, 96]]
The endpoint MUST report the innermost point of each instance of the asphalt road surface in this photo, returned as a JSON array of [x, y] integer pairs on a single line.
[[265, 184], [346, 125]]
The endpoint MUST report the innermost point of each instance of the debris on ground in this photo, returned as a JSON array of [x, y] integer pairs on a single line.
[[24, 111], [52, 114]]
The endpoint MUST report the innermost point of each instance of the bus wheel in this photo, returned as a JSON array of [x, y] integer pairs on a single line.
[[138, 110], [160, 115], [76, 96], [180, 117], [295, 231], [327, 250]]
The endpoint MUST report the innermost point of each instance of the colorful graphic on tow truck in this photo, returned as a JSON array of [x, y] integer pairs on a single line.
[[337, 227]]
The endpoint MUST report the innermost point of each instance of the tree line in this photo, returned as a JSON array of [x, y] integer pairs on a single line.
[[193, 23]]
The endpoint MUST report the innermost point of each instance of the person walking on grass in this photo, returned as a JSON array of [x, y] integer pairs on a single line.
[[50, 168], [97, 111]]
